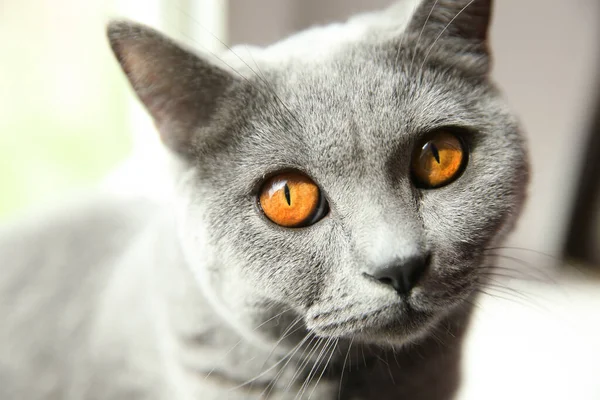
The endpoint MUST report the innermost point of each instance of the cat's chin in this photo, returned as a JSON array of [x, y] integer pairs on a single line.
[[394, 324]]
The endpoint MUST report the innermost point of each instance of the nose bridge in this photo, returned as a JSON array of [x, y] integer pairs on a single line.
[[390, 230]]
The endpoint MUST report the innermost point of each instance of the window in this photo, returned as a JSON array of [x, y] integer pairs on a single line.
[[67, 115]]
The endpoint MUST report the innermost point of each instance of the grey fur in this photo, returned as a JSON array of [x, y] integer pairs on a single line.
[[123, 299]]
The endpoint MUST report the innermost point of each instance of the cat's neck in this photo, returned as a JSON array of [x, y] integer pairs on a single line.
[[428, 369]]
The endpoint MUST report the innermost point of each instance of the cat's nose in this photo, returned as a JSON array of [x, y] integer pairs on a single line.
[[402, 274]]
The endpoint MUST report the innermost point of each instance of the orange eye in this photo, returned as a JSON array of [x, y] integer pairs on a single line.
[[438, 160], [292, 200]]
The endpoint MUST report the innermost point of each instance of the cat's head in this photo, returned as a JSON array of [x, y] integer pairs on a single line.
[[352, 174]]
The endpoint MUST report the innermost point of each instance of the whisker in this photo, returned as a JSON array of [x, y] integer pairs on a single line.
[[313, 370], [387, 364], [261, 78], [415, 6], [502, 293], [472, 303], [526, 250], [394, 354], [188, 15], [280, 372], [421, 33], [522, 276], [498, 297], [324, 368], [271, 367], [510, 291], [284, 335], [316, 366], [344, 367], [362, 349], [524, 300], [213, 54], [272, 318], [222, 358], [442, 32], [304, 362], [512, 274], [437, 339], [558, 264], [505, 277], [320, 341], [526, 264]]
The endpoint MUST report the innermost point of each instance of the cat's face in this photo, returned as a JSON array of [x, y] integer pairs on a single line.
[[384, 256]]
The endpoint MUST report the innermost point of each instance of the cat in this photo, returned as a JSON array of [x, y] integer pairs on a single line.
[[335, 196]]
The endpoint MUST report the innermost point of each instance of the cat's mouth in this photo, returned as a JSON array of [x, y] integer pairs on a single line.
[[392, 322]]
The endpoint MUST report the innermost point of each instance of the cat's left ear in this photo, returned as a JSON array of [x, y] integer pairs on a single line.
[[461, 22], [181, 90]]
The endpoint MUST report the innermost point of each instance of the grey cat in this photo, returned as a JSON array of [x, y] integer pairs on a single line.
[[335, 198]]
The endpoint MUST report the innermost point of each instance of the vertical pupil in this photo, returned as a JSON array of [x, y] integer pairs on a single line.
[[435, 152], [286, 191]]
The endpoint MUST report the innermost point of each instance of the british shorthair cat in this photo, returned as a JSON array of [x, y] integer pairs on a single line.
[[335, 198]]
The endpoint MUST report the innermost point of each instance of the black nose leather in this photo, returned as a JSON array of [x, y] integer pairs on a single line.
[[404, 274]]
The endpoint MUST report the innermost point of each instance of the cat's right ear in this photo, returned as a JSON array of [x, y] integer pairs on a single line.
[[180, 90], [460, 26]]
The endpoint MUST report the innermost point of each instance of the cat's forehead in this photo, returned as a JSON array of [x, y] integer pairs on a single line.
[[364, 86], [351, 115], [356, 95], [340, 120]]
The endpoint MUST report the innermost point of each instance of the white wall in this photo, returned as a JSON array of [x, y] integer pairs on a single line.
[[547, 59], [547, 55]]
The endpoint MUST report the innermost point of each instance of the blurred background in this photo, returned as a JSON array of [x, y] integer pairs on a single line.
[[69, 122]]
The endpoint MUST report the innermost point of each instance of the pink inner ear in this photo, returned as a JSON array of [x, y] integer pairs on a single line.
[[138, 68], [142, 72]]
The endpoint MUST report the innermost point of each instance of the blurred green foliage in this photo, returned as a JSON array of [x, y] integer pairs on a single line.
[[42, 158], [63, 102]]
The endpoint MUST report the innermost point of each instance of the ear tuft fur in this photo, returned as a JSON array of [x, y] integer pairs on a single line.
[[465, 19]]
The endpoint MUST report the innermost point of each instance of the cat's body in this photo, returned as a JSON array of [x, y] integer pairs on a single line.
[[207, 299]]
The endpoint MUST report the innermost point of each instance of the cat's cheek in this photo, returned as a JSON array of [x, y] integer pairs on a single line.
[[221, 288], [446, 286], [228, 295]]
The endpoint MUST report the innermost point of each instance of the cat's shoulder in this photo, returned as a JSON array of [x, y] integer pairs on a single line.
[[85, 227], [54, 266], [56, 252]]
